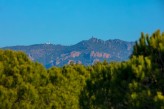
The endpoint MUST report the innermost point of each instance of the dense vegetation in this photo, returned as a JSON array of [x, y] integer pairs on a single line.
[[137, 83]]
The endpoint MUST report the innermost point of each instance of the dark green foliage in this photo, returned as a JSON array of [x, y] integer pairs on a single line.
[[135, 84]]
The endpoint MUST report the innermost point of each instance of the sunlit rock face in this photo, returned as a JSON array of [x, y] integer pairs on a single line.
[[100, 54]]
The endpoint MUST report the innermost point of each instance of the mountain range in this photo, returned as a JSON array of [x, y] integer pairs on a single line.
[[85, 52]]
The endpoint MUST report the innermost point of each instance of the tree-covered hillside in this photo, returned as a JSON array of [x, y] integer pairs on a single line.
[[86, 52], [134, 84]]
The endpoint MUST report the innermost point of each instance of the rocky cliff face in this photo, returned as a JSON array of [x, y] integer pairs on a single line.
[[95, 54], [85, 52]]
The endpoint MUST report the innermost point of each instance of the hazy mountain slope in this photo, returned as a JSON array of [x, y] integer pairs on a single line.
[[85, 52]]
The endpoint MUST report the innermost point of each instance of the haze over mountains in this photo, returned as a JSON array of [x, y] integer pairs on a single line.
[[85, 52]]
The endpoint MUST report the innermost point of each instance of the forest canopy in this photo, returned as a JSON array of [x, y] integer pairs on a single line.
[[136, 83]]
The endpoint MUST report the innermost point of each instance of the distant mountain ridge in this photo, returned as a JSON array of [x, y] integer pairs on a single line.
[[85, 52]]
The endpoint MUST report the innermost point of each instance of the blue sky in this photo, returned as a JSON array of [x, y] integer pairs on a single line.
[[26, 22]]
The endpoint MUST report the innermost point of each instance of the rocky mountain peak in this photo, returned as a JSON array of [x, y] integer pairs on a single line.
[[95, 40]]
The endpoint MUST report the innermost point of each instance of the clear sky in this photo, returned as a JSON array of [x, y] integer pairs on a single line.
[[26, 22]]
